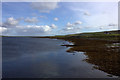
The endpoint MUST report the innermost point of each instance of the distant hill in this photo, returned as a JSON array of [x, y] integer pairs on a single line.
[[105, 35]]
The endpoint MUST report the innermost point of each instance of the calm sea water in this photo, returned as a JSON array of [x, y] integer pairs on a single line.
[[44, 58]]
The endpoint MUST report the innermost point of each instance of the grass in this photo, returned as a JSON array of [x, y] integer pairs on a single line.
[[106, 35]]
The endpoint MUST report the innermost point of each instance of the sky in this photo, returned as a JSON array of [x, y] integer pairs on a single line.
[[57, 18]]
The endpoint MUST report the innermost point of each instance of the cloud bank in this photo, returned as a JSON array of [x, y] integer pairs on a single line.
[[12, 27]]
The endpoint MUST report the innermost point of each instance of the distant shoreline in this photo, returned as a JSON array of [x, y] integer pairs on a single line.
[[105, 36]]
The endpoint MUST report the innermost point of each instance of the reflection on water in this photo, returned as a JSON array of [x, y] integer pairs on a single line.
[[103, 54], [45, 58]]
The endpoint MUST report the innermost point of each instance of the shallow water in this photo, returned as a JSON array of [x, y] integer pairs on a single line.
[[46, 58]]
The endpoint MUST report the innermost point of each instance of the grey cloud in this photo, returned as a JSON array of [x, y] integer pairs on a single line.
[[112, 24], [78, 22], [86, 13]]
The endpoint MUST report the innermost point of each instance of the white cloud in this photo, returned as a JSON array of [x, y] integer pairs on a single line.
[[71, 28], [56, 19], [53, 26], [43, 28], [31, 20], [18, 29], [29, 30], [44, 7], [11, 22], [2, 29], [69, 25]]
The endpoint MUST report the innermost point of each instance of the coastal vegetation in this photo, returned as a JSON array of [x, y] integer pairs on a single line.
[[106, 35]]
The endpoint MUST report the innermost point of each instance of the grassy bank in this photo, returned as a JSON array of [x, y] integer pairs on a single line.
[[106, 35]]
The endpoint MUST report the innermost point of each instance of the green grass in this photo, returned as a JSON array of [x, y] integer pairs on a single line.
[[112, 36]]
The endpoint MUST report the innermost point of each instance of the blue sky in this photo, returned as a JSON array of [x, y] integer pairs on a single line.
[[56, 18]]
